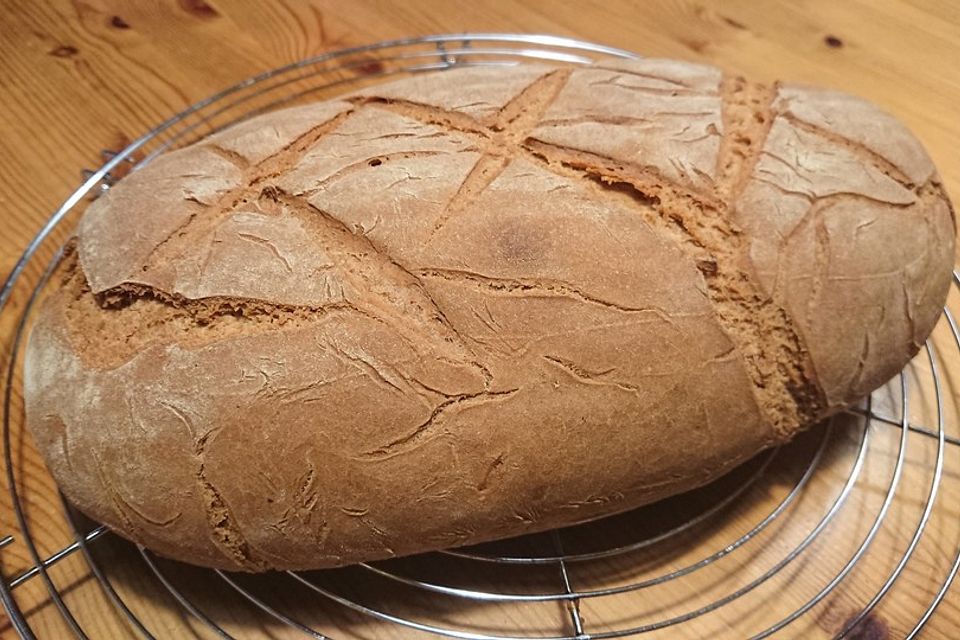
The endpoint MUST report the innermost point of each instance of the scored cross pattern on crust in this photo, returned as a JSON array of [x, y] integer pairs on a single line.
[[698, 221], [497, 142]]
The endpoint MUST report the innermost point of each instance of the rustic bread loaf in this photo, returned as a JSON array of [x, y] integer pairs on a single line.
[[477, 304]]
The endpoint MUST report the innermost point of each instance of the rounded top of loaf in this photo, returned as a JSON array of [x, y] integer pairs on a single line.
[[650, 267]]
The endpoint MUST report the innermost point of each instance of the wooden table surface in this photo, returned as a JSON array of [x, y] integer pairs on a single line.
[[79, 76]]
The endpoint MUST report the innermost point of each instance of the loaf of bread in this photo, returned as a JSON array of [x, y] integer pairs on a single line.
[[476, 304]]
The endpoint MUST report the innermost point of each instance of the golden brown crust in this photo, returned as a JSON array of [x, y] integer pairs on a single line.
[[477, 304]]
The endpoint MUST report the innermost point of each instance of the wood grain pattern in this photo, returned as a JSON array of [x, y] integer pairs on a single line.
[[79, 76]]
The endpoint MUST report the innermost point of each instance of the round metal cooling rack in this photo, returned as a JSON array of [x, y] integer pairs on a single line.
[[857, 513]]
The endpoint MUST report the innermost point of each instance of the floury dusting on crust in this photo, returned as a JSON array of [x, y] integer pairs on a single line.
[[477, 304]]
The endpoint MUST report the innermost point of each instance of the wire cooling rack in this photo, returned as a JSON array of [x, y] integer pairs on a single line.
[[852, 531]]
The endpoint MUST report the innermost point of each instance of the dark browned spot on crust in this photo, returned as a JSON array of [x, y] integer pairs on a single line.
[[517, 245], [119, 23]]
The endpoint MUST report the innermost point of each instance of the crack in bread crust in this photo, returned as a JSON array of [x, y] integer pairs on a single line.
[[537, 286], [132, 317], [421, 432], [747, 111], [512, 125], [777, 361], [252, 187], [868, 156]]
